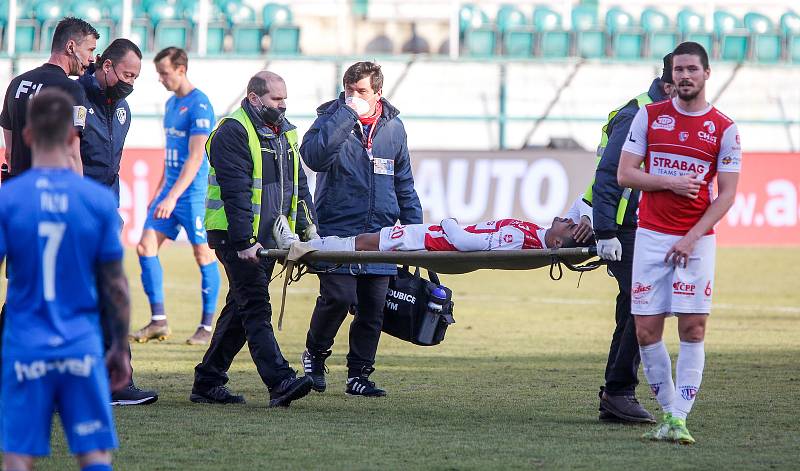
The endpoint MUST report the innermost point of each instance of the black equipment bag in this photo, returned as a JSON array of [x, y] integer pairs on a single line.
[[406, 314]]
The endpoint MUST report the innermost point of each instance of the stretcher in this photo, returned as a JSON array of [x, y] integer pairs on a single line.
[[575, 259]]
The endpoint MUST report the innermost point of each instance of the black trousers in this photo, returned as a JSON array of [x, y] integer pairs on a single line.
[[246, 317], [336, 294], [623, 356]]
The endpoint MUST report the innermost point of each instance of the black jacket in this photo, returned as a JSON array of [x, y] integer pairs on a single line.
[[606, 192], [107, 125], [230, 156]]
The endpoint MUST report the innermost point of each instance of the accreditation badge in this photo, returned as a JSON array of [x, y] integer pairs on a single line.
[[382, 166]]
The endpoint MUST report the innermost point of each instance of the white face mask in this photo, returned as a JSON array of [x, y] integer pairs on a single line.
[[362, 106]]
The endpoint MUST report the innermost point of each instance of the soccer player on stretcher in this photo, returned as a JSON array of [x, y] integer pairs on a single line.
[[448, 235]]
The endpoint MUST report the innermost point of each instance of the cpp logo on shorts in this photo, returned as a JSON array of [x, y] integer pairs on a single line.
[[639, 290], [683, 289], [508, 238], [655, 388], [665, 122], [707, 291], [688, 392]]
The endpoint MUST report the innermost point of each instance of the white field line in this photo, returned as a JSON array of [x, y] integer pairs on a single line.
[[583, 301]]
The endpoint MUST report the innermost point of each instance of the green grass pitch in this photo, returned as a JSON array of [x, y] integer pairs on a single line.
[[514, 385]]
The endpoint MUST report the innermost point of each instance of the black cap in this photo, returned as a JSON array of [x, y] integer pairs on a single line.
[[666, 73]]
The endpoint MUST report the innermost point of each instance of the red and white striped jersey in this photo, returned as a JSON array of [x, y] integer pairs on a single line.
[[676, 143], [503, 234]]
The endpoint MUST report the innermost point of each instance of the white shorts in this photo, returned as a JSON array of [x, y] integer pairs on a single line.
[[408, 237], [658, 287]]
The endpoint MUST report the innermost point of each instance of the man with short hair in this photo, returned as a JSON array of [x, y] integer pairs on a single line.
[[614, 210], [60, 234], [109, 116], [107, 123], [179, 200], [357, 146], [683, 143], [71, 54], [257, 194]]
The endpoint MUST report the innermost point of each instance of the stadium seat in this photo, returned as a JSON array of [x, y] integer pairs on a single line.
[[106, 31], [691, 27], [660, 37], [215, 37], [275, 14], [480, 42], [733, 39], [89, 10], [159, 11], [553, 40], [790, 29], [142, 34], [626, 37], [170, 32], [247, 34], [764, 37], [284, 39], [471, 17], [27, 36], [590, 40], [48, 13], [517, 34]]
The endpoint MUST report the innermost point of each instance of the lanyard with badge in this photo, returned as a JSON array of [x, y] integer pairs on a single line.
[[379, 166]]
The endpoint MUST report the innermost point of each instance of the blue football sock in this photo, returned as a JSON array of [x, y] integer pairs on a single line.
[[210, 286], [97, 467], [152, 280]]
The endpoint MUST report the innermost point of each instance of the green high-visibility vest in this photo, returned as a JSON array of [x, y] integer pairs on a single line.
[[641, 100], [215, 210]]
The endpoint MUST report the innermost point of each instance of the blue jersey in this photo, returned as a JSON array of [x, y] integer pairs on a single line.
[[55, 229], [184, 117]]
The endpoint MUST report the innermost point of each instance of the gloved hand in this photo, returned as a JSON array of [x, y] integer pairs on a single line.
[[310, 233], [609, 249]]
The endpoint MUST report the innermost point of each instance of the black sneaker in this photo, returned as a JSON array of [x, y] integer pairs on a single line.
[[289, 390], [133, 396], [216, 395], [362, 386], [314, 366]]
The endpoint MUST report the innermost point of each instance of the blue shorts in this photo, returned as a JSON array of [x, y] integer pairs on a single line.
[[189, 213], [76, 388]]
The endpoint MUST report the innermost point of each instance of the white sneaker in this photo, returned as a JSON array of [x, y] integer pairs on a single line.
[[283, 235]]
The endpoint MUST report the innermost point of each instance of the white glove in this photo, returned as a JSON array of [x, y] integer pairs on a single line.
[[609, 249], [310, 233]]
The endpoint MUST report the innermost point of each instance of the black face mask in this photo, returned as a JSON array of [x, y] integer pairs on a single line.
[[119, 90], [271, 115]]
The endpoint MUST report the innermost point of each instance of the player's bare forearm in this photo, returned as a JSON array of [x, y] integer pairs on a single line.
[[77, 164], [727, 183], [115, 302], [190, 167], [7, 140], [630, 174]]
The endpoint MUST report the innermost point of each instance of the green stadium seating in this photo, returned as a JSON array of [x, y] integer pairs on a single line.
[[790, 28], [170, 32], [284, 39], [626, 37], [510, 17], [27, 36], [590, 40], [275, 14], [480, 42], [517, 34], [159, 11], [471, 17], [142, 34], [732, 37], [518, 42], [691, 27], [553, 40], [764, 37], [660, 37], [91, 11], [215, 37]]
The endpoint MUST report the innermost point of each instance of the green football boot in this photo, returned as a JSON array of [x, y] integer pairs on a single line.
[[661, 431], [679, 433]]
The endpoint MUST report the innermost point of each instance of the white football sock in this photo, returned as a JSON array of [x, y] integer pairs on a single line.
[[688, 375], [658, 370], [334, 244]]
